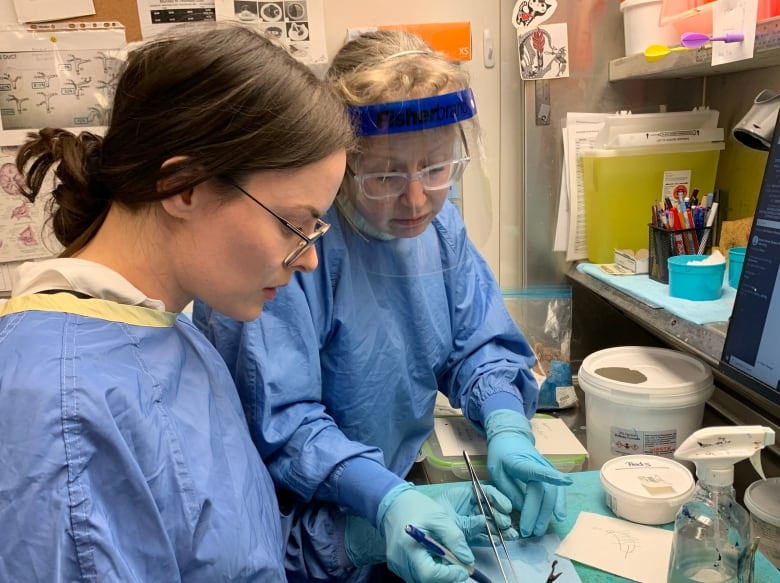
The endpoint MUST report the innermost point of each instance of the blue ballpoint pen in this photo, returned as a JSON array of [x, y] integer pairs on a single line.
[[439, 550]]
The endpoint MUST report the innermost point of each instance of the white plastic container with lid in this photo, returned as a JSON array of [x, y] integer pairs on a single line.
[[646, 489], [641, 26], [762, 499], [641, 400]]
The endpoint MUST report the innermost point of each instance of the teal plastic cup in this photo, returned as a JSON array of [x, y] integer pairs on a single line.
[[736, 259], [690, 279]]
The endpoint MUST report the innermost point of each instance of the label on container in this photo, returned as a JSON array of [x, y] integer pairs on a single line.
[[623, 441], [565, 396], [676, 183]]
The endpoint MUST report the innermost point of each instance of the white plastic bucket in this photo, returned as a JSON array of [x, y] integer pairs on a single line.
[[641, 28], [762, 498], [641, 400]]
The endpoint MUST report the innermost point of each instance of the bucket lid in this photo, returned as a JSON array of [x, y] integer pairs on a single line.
[[634, 3], [762, 498], [641, 373], [647, 478]]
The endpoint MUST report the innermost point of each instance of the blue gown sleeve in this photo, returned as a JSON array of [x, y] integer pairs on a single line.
[[490, 364], [315, 543], [276, 365]]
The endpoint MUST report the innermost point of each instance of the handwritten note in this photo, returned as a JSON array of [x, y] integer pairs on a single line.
[[636, 552], [734, 16]]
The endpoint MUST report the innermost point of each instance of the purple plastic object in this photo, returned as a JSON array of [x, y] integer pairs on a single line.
[[694, 40]]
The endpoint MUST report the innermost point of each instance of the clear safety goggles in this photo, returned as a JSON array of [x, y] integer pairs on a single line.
[[414, 157], [388, 185]]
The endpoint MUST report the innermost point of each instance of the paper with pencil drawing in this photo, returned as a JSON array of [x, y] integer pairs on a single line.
[[633, 551]]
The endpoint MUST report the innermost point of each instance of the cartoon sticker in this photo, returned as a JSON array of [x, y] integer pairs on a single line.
[[543, 52], [527, 13]]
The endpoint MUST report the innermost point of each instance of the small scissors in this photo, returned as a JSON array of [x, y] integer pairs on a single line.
[[553, 575]]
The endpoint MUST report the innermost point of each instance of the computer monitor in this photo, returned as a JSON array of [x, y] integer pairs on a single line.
[[751, 352]]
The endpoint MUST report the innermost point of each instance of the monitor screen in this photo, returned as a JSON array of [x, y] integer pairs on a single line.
[[751, 352]]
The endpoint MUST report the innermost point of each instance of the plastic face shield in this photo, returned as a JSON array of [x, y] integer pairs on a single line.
[[413, 154]]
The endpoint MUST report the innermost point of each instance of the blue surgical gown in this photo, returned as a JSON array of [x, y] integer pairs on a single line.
[[124, 452], [346, 362]]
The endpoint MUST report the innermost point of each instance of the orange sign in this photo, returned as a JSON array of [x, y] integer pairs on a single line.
[[451, 38]]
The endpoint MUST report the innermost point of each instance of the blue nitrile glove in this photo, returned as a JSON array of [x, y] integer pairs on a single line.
[[365, 546], [462, 506], [521, 473], [407, 558]]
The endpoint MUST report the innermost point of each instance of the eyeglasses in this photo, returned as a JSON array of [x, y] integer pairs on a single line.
[[320, 228], [387, 185]]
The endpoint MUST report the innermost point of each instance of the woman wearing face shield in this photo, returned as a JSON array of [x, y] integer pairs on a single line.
[[402, 306]]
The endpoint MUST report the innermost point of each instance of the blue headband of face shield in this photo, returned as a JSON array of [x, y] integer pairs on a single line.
[[412, 115]]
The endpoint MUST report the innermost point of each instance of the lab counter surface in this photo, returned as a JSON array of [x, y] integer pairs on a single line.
[[587, 495]]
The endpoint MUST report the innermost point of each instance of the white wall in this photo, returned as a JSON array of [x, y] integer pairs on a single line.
[[486, 83]]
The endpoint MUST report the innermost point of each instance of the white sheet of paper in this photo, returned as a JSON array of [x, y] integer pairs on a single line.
[[6, 276], [456, 434], [48, 10], [561, 241], [634, 551], [734, 16], [553, 437], [582, 129], [8, 13]]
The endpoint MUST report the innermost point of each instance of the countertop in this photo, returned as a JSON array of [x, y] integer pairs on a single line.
[[587, 495]]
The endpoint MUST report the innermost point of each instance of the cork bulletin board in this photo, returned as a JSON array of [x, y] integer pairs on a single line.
[[23, 232], [124, 11]]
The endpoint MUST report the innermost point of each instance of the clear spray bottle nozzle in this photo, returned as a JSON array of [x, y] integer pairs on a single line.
[[715, 450]]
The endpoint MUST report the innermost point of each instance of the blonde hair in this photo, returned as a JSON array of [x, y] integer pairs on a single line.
[[392, 65]]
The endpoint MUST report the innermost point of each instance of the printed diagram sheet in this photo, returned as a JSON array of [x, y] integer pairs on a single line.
[[298, 24], [24, 233], [157, 16], [53, 76]]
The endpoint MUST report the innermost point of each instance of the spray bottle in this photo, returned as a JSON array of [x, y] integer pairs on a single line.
[[712, 542]]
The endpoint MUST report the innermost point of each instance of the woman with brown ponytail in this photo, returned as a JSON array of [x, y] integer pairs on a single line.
[[125, 453]]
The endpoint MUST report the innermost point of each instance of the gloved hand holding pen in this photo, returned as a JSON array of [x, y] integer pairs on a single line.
[[449, 514], [521, 473]]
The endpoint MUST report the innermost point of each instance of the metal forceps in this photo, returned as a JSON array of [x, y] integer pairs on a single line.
[[482, 502]]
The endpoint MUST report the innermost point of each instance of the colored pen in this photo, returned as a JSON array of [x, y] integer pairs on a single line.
[[439, 550], [708, 228]]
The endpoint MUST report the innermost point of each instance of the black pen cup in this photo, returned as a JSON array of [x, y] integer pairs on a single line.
[[665, 244]]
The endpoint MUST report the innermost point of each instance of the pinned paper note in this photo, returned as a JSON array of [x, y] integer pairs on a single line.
[[48, 10], [729, 16]]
